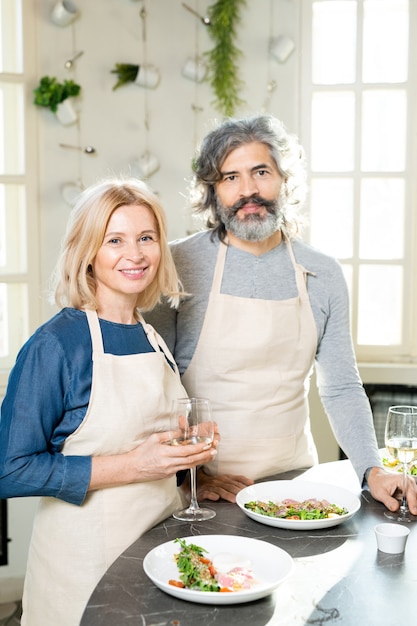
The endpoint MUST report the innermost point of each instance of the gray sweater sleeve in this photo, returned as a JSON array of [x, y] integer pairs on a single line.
[[271, 276]]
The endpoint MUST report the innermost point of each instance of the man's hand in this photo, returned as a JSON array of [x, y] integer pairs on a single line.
[[384, 485], [225, 486]]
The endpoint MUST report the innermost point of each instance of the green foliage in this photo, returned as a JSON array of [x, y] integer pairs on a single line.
[[126, 73], [50, 92], [194, 567], [223, 58]]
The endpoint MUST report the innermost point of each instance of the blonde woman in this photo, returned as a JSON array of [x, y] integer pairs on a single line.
[[88, 400]]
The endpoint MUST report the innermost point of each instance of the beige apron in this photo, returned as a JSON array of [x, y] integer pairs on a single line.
[[72, 546], [253, 361]]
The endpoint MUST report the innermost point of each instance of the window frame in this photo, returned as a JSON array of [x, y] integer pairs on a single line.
[[406, 353], [29, 178]]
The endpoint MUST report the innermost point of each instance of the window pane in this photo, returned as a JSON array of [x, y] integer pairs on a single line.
[[382, 219], [12, 229], [380, 305], [334, 42], [332, 221], [333, 126], [11, 129], [11, 36], [13, 321], [384, 123], [385, 41]]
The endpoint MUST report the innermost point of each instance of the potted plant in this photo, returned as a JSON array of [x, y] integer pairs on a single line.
[[52, 94], [143, 75], [126, 73]]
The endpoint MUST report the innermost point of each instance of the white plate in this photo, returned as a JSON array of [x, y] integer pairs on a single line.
[[385, 454], [395, 469], [278, 490], [270, 566]]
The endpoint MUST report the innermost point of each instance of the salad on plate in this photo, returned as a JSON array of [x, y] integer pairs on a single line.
[[394, 465], [310, 509], [225, 573]]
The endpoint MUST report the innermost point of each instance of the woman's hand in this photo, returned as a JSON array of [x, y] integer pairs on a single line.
[[154, 459]]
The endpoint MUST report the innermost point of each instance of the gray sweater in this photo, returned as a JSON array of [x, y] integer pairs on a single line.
[[271, 277]]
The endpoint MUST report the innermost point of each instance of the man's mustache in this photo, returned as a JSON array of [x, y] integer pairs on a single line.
[[270, 205]]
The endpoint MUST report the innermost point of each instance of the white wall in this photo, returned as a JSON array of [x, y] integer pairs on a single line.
[[110, 31], [327, 446]]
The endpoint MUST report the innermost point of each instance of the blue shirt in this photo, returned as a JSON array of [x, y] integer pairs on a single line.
[[46, 400]]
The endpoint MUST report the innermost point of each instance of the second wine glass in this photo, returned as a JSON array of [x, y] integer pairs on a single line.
[[401, 443], [192, 423]]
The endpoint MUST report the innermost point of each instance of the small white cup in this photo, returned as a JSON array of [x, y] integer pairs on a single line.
[[71, 192], [148, 76], [391, 538], [281, 47], [66, 114], [145, 166], [64, 12], [194, 69]]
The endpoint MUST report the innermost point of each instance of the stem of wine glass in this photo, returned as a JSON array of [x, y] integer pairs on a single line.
[[193, 488], [404, 506]]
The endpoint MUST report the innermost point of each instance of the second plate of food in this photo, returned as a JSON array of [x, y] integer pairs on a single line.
[[297, 504], [393, 465], [269, 565]]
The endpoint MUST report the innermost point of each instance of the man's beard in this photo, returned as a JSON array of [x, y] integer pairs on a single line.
[[253, 227]]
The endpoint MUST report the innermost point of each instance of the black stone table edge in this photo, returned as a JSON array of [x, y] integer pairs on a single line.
[[339, 576]]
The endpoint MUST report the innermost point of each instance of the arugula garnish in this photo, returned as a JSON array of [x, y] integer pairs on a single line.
[[306, 510], [196, 571]]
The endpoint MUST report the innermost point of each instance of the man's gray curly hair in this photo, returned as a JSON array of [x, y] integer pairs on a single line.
[[285, 150]]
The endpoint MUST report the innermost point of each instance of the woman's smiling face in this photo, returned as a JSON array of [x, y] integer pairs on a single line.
[[128, 258]]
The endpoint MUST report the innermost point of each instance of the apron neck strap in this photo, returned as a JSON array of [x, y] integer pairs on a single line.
[[95, 331], [157, 342], [219, 267], [300, 271]]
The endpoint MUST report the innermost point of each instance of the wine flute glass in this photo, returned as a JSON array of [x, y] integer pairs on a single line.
[[401, 443], [192, 423]]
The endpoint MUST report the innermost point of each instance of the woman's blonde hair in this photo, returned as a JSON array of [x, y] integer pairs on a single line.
[[74, 280]]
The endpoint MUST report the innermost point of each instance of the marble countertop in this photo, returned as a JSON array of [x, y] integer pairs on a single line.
[[339, 576]]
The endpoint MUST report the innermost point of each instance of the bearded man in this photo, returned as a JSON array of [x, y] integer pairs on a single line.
[[264, 308]]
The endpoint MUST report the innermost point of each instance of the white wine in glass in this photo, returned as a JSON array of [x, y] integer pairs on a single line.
[[401, 443], [192, 423]]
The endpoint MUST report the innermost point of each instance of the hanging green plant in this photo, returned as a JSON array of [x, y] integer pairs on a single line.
[[145, 75], [126, 73], [223, 69], [50, 93]]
